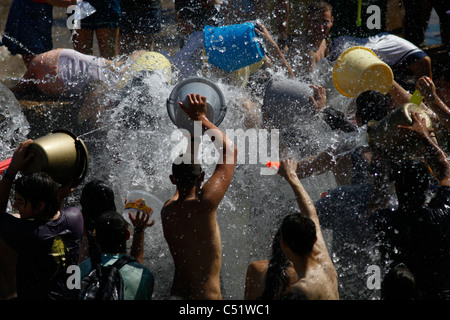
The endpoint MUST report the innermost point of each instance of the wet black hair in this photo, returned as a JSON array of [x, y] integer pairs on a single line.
[[111, 231], [372, 105], [39, 186], [299, 233], [319, 6], [186, 174], [399, 284], [277, 280], [96, 198]]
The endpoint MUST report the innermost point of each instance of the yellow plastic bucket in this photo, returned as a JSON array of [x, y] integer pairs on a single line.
[[358, 69], [147, 60]]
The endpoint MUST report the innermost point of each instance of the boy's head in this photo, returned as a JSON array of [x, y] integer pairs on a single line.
[[111, 232], [298, 233], [96, 198], [320, 18], [371, 105], [186, 173], [37, 196]]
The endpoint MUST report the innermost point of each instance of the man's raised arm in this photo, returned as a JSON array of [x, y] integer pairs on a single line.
[[217, 185]]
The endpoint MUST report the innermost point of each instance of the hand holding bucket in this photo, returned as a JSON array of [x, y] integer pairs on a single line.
[[215, 110], [386, 135], [141, 200], [358, 69]]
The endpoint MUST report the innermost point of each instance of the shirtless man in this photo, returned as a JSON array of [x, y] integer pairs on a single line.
[[302, 243], [189, 217], [305, 51]]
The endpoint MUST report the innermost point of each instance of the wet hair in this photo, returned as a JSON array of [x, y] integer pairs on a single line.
[[37, 187], [319, 6], [299, 233], [96, 198], [186, 175], [372, 105], [399, 284], [277, 281], [111, 230]]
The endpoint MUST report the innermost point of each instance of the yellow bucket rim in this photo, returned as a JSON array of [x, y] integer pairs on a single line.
[[338, 65]]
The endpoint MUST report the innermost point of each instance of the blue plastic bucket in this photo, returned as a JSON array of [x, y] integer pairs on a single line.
[[232, 47]]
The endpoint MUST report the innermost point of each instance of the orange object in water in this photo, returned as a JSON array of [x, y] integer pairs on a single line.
[[139, 204], [4, 165], [273, 164]]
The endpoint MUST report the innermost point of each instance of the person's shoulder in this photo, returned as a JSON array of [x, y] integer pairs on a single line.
[[71, 211], [257, 267], [141, 269], [73, 215]]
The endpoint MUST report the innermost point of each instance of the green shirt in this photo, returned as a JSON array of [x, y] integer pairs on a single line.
[[137, 279]]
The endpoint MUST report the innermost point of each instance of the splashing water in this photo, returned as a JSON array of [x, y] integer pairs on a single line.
[[132, 150], [132, 146], [13, 124]]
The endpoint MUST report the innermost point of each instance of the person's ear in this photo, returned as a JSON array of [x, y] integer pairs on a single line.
[[172, 179]]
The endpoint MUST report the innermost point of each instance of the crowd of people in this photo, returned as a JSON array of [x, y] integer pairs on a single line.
[[43, 238]]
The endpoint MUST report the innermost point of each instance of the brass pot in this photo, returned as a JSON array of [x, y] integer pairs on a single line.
[[61, 155]]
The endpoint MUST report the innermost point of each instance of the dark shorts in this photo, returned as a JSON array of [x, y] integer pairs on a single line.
[[141, 21], [28, 28], [106, 16]]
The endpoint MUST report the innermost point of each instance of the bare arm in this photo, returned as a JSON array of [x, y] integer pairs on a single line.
[[274, 50], [315, 165], [433, 155], [427, 89], [140, 223], [19, 160], [304, 201], [400, 95], [215, 188]]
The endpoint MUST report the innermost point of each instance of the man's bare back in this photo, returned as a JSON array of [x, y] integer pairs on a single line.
[[189, 218], [320, 281], [317, 276], [196, 251]]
